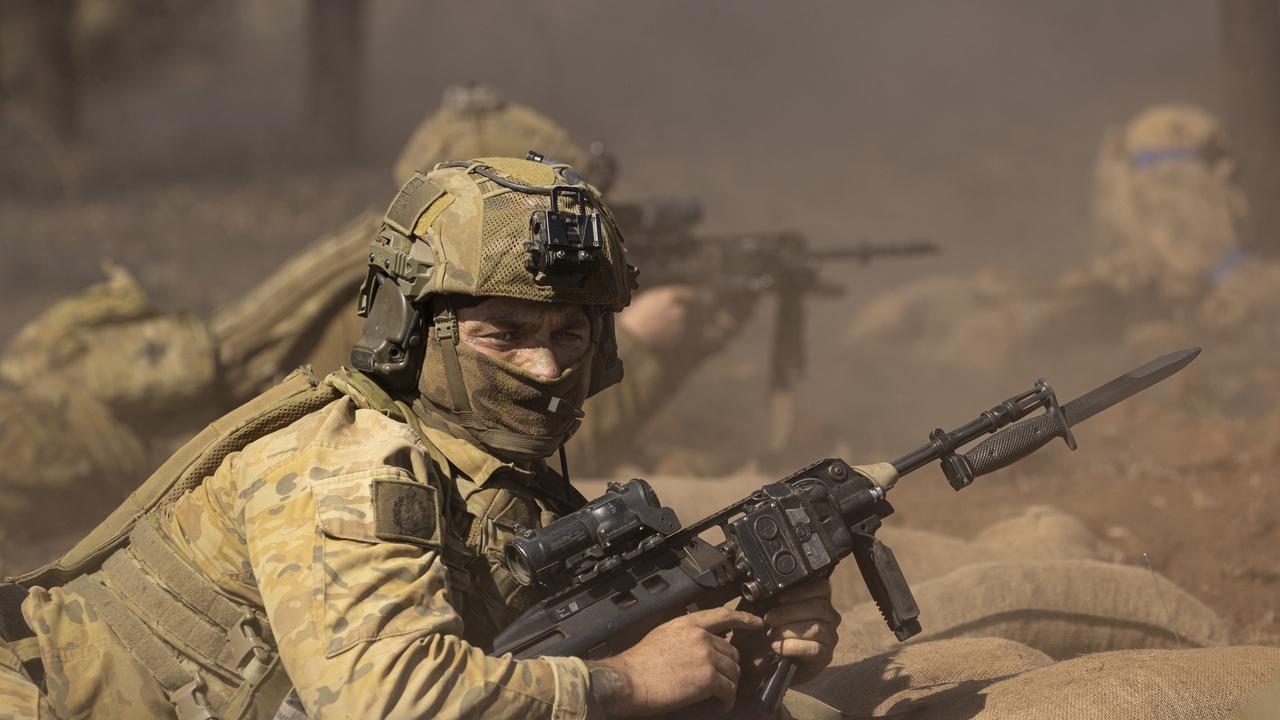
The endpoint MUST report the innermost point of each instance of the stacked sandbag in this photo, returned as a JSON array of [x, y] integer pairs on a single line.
[[1037, 533], [859, 687], [1060, 607], [1041, 532], [1208, 684], [965, 680], [923, 555]]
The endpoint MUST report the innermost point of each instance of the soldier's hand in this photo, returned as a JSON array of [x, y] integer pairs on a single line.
[[685, 319], [802, 627], [678, 663]]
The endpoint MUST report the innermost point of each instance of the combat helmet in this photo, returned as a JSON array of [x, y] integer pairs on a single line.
[[1167, 210], [475, 121], [1173, 133], [493, 227]]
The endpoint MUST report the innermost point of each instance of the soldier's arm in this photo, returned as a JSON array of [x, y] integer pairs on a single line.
[[346, 555], [663, 338]]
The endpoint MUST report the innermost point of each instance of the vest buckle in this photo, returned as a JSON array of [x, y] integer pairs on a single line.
[[191, 701], [252, 655]]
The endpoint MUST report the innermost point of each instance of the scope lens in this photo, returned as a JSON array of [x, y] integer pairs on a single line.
[[518, 564]]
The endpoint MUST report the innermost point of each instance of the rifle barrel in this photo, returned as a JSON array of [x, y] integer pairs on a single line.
[[865, 250]]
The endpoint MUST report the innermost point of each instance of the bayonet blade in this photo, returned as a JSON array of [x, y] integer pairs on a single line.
[[1127, 385]]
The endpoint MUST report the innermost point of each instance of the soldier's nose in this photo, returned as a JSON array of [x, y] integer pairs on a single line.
[[541, 362]]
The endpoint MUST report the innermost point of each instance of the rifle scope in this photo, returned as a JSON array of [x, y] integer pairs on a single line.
[[611, 523]]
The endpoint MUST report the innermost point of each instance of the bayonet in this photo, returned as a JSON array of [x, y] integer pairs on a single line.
[[1023, 438], [1126, 386]]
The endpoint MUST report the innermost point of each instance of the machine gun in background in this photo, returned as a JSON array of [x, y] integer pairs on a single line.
[[623, 564], [662, 241]]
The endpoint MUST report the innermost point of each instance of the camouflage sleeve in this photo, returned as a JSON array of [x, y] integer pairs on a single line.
[[345, 552]]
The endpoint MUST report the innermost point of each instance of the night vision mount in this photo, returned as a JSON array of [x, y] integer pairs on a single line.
[[564, 246]]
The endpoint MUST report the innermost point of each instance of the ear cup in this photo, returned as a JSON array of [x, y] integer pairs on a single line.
[[391, 344]]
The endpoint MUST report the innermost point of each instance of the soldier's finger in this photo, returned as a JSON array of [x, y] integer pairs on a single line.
[[721, 620], [818, 587], [824, 633], [725, 691], [804, 651], [725, 648], [727, 666], [805, 610]]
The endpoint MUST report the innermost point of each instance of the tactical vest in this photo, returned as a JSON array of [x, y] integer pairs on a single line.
[[128, 571]]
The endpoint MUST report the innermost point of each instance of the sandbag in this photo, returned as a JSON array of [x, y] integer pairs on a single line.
[[1037, 533], [859, 687], [1206, 684], [923, 555], [1041, 532], [1060, 607]]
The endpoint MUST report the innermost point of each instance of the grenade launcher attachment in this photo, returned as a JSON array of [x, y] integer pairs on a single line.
[[623, 564]]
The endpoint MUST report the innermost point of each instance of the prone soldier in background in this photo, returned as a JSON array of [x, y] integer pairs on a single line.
[[1170, 262], [345, 536], [110, 384]]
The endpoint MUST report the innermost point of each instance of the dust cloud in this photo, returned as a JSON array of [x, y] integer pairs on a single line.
[[975, 124]]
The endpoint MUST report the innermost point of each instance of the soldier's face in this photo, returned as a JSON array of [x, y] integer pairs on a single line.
[[540, 338]]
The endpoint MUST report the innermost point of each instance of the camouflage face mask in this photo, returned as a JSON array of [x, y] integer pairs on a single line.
[[516, 415]]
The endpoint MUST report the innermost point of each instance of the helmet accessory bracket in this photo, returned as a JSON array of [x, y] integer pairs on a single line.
[[564, 246]]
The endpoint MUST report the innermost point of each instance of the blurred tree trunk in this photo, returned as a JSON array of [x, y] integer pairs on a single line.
[[39, 79], [1251, 61], [335, 46], [40, 92]]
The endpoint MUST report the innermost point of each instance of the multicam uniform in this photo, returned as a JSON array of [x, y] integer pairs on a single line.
[[367, 543], [338, 537]]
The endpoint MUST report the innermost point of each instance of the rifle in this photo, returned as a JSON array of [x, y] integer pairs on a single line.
[[626, 564], [662, 241]]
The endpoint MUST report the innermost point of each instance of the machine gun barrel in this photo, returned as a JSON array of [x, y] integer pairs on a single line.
[[866, 251]]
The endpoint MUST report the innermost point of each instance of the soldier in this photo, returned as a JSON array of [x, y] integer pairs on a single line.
[[344, 536], [1169, 232], [155, 378]]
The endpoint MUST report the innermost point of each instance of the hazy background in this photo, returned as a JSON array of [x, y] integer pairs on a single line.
[[975, 124], [972, 123]]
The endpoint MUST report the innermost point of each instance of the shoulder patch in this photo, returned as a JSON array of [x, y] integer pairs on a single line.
[[406, 511]]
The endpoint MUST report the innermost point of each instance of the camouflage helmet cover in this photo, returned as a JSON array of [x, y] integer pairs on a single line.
[[1165, 128], [465, 229], [471, 235], [474, 121], [1166, 207]]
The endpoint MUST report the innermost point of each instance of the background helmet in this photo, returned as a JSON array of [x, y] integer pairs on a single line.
[[474, 121], [1167, 210]]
